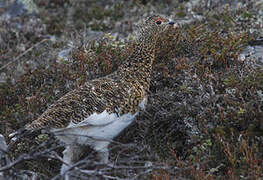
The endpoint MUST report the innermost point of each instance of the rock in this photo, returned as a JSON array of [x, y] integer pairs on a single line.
[[3, 77], [20, 7]]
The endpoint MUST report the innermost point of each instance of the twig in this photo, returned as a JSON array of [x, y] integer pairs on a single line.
[[25, 52], [10, 165], [4, 156], [30, 156]]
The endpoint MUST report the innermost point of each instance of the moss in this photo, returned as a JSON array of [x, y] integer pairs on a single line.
[[247, 14], [181, 11], [55, 25], [95, 16]]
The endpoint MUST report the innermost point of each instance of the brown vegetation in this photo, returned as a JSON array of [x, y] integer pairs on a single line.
[[204, 114]]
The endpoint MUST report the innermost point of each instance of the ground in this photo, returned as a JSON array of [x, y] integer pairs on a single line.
[[204, 114]]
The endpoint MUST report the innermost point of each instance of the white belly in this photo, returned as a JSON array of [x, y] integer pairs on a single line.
[[96, 127]]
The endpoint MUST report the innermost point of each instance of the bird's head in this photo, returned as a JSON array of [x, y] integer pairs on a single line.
[[155, 25]]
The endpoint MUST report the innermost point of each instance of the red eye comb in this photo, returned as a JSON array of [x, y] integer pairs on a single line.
[[158, 19]]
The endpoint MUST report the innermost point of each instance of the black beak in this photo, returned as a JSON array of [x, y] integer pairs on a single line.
[[171, 22]]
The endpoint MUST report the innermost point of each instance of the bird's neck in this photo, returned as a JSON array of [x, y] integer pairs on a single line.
[[139, 64]]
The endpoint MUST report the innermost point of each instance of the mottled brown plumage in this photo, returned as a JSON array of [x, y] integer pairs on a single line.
[[120, 92], [103, 107]]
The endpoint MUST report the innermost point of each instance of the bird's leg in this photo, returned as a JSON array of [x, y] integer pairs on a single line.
[[104, 156], [71, 155], [103, 152], [67, 159]]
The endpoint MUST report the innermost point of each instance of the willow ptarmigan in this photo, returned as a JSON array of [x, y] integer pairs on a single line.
[[100, 109]]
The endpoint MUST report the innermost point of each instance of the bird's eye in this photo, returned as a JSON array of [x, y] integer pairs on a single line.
[[158, 22]]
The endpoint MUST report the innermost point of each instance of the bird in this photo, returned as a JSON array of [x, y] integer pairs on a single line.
[[102, 108]]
